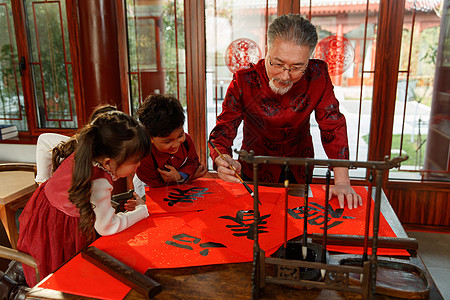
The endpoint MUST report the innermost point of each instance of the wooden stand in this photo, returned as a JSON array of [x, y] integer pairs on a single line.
[[335, 277]]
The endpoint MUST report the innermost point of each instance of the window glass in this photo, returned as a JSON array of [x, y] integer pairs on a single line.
[[156, 48], [12, 106], [51, 64], [414, 102], [347, 35], [235, 36]]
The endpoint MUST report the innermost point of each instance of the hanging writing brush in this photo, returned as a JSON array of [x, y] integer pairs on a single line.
[[368, 207], [286, 199], [325, 227], [305, 214]]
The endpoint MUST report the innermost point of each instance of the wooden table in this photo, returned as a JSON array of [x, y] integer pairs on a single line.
[[16, 187], [234, 280]]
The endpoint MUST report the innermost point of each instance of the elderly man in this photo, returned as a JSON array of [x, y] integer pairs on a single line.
[[275, 99]]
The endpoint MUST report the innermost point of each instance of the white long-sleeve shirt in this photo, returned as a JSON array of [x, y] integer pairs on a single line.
[[45, 143], [107, 222]]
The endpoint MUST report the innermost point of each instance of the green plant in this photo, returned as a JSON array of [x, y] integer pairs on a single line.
[[414, 148]]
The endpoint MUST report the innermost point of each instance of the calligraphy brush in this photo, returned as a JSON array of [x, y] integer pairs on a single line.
[[232, 168], [325, 228], [368, 207], [305, 215], [286, 199]]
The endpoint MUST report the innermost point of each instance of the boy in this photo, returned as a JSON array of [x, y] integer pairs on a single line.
[[173, 158]]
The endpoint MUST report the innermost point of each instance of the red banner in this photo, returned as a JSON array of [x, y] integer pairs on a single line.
[[209, 222]]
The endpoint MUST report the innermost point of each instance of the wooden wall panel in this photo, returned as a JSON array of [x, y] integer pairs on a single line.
[[420, 204]]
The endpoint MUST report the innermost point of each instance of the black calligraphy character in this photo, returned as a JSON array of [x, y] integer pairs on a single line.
[[185, 196], [245, 223], [315, 214], [183, 237], [186, 238], [312, 212], [205, 252]]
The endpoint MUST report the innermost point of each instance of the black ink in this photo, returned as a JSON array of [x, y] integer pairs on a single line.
[[185, 196], [172, 243], [186, 238], [315, 214], [180, 237], [212, 245], [245, 224]]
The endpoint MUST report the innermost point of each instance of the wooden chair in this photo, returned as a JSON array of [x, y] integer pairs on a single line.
[[22, 257], [16, 187]]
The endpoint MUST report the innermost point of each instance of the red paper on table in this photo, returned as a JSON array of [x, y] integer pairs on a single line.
[[213, 236], [200, 194], [234, 222], [164, 242], [340, 221], [80, 277], [170, 244]]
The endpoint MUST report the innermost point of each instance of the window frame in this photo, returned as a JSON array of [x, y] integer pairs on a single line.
[[386, 70], [23, 50]]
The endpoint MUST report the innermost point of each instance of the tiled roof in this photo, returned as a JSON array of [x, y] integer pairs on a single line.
[[329, 5]]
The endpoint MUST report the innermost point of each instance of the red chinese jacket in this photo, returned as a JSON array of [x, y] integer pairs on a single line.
[[279, 125], [185, 161]]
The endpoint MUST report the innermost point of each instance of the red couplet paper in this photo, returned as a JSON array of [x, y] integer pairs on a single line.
[[201, 194], [340, 221], [79, 277], [156, 242], [171, 244], [234, 222], [216, 229]]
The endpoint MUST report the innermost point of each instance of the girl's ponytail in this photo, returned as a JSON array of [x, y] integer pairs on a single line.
[[113, 135], [80, 190], [62, 151]]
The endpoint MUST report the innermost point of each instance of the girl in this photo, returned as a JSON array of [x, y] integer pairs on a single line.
[[48, 141], [65, 212], [47, 145]]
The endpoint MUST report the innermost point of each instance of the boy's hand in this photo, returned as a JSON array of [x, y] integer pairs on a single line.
[[171, 175], [200, 172], [131, 204]]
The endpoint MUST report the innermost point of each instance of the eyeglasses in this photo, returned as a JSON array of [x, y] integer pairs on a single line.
[[282, 68]]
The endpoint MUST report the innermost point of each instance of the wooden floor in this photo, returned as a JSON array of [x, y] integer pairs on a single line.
[[434, 249]]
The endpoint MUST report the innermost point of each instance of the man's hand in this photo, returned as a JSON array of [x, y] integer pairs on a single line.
[[344, 191], [171, 175], [223, 170]]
